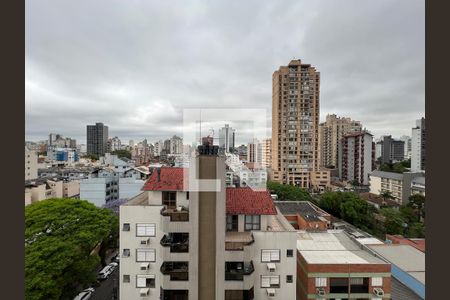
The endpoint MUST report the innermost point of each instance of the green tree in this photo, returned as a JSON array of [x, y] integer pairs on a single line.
[[416, 230], [60, 235], [394, 222], [288, 192], [417, 203], [92, 157], [122, 153], [386, 195]]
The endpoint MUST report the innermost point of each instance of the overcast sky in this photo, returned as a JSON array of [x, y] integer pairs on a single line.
[[134, 65]]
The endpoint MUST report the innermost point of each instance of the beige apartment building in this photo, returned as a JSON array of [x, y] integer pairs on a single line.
[[31, 164], [228, 244], [266, 153], [295, 123], [330, 135]]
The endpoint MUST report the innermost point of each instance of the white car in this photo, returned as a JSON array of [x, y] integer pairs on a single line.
[[105, 272], [85, 295]]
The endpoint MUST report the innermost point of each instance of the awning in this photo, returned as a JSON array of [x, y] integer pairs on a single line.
[[271, 266]]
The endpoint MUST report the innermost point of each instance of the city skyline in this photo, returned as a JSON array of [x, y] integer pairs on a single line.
[[137, 67]]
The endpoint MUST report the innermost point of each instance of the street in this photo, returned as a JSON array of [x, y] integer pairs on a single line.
[[109, 288]]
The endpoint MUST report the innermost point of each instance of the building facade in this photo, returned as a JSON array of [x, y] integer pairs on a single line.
[[31, 164], [227, 137], [330, 135], [225, 244], [390, 150], [418, 146], [356, 157], [266, 151], [295, 122], [97, 139]]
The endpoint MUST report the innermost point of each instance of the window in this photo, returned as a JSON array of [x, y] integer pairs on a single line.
[[321, 282], [270, 255], [126, 227], [270, 281], [252, 222], [146, 255], [145, 281], [232, 222], [377, 281], [187, 195], [289, 278], [145, 229], [289, 253], [126, 278], [126, 253], [169, 199]]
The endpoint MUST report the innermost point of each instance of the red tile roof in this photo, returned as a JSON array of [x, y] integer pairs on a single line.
[[171, 179], [245, 201], [419, 244]]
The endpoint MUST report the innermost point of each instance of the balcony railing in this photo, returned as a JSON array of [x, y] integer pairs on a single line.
[[178, 271], [176, 215], [237, 271], [236, 241], [178, 242]]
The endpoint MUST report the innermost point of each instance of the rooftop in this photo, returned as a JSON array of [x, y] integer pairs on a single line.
[[390, 175], [245, 201], [419, 244], [404, 257], [374, 198], [304, 208], [332, 247], [168, 179]]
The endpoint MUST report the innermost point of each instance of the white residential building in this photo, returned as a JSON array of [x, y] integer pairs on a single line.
[[229, 244], [407, 150], [100, 187], [418, 146]]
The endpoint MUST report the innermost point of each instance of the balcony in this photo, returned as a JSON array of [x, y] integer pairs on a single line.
[[180, 214], [177, 241], [235, 241], [177, 270], [237, 270]]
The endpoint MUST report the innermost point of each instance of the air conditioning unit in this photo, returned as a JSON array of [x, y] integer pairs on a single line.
[[321, 291], [144, 292], [271, 292], [145, 242], [378, 291], [271, 267], [145, 266]]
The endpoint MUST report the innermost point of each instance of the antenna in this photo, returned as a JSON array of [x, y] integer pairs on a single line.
[[200, 127]]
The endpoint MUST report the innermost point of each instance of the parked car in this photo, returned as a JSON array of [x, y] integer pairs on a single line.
[[113, 265], [116, 258], [105, 272], [85, 295]]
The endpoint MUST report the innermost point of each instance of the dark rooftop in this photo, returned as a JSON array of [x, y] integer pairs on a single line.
[[304, 208]]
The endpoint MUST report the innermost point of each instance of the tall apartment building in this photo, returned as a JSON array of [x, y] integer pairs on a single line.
[[227, 138], [97, 139], [217, 245], [254, 152], [407, 140], [266, 152], [176, 145], [159, 145], [114, 144], [390, 150], [31, 164], [418, 146], [330, 135], [295, 122], [356, 157]]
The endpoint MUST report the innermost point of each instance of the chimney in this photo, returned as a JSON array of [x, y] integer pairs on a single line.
[[158, 172]]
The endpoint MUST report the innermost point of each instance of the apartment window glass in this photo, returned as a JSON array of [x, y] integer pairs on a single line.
[[289, 278], [270, 281], [252, 222], [126, 278], [270, 255], [145, 255], [187, 195], [321, 282], [377, 281], [169, 199], [145, 281], [145, 229], [289, 253], [126, 253], [126, 227], [232, 222]]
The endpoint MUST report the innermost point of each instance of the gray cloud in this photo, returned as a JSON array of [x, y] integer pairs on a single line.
[[134, 65]]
